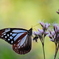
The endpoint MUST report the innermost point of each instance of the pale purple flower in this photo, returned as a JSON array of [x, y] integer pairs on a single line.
[[38, 34], [40, 30], [41, 33], [52, 40], [46, 33], [44, 25], [56, 28], [54, 35]]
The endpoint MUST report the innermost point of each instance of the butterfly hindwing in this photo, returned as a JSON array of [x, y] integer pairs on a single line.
[[24, 46]]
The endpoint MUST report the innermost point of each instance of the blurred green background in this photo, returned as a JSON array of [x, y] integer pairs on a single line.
[[25, 14]]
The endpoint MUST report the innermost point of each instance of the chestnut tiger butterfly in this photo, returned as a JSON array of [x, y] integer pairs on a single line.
[[19, 38]]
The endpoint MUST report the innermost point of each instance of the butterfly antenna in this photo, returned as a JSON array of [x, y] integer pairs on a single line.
[[35, 25], [34, 28]]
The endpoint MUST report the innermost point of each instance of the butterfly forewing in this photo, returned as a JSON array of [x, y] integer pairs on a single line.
[[11, 34]]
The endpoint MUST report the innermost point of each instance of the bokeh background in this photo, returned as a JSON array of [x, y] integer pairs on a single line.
[[25, 14]]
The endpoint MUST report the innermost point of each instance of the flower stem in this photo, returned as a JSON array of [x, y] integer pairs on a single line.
[[56, 52], [43, 50]]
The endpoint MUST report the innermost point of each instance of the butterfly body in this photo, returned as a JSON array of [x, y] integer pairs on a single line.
[[19, 38]]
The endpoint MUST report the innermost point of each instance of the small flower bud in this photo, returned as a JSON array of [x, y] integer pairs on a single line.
[[35, 38], [44, 25], [52, 40], [41, 31], [36, 33], [45, 33], [50, 36], [47, 25]]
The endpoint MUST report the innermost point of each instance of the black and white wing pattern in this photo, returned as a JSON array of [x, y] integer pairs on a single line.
[[24, 46], [19, 38]]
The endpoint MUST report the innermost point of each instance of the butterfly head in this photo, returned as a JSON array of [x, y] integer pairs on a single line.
[[30, 32]]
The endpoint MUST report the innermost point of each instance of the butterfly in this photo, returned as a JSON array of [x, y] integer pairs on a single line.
[[19, 38]]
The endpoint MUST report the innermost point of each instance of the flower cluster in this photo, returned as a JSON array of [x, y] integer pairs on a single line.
[[41, 32], [44, 25], [54, 35]]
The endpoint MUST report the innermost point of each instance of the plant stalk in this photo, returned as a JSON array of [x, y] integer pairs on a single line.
[[56, 50], [43, 50]]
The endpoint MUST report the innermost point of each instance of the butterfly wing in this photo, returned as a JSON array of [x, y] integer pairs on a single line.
[[24, 46], [12, 34], [20, 39]]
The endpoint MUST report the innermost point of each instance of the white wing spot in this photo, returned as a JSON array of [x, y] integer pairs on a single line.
[[8, 39], [5, 36], [11, 37], [11, 41], [2, 36], [10, 33]]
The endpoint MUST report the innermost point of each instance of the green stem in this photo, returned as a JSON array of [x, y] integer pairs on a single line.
[[42, 41], [56, 50], [43, 50]]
